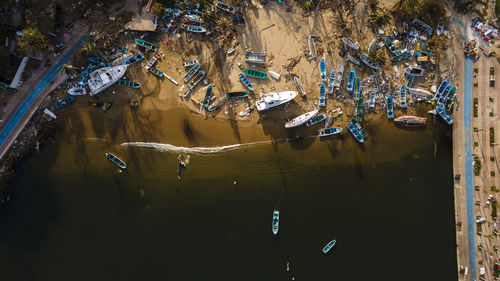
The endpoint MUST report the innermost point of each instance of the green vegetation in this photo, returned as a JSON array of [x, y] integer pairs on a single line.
[[492, 173], [378, 58], [477, 187], [493, 209], [476, 70], [379, 19], [480, 261], [492, 136], [32, 41], [432, 12], [494, 189], [477, 166], [475, 106], [479, 230], [307, 6], [157, 8], [492, 99], [209, 17], [492, 158]]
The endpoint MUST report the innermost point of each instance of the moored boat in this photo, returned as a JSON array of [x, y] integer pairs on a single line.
[[128, 83], [328, 246], [191, 72], [208, 97], [329, 131], [390, 107], [322, 70], [245, 82], [77, 91], [316, 120], [120, 163], [196, 29], [276, 221], [369, 62], [255, 73], [274, 99], [331, 82], [190, 63], [350, 80], [146, 44], [322, 94], [301, 119], [300, 88], [62, 103], [234, 95], [411, 121]]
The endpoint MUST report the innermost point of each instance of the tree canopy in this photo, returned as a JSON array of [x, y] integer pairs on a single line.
[[32, 41]]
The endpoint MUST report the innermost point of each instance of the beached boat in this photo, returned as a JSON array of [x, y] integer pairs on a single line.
[[411, 121], [235, 95], [402, 97], [312, 47], [316, 120], [357, 88], [96, 60], [331, 82], [403, 56], [340, 73], [102, 78], [450, 102], [369, 62], [255, 59], [274, 75], [452, 90], [301, 119], [391, 46], [116, 160], [128, 83], [276, 221], [190, 63], [193, 18], [191, 72], [413, 70], [359, 110], [439, 99], [245, 82], [350, 80], [146, 44], [218, 103], [354, 131], [409, 83], [420, 93], [348, 43], [419, 24], [208, 96], [372, 49], [62, 103], [322, 94], [133, 59], [225, 7], [447, 118], [372, 100], [77, 91], [329, 131], [390, 107], [155, 72], [300, 88], [255, 73], [441, 89], [196, 79], [352, 60], [151, 62], [329, 246], [322, 70], [196, 29], [274, 99]]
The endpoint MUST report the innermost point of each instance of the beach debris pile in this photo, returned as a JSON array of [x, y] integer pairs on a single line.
[[484, 30]]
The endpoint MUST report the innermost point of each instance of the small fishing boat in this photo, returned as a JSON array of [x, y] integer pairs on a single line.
[[372, 100], [62, 103], [255, 59], [350, 80], [234, 95], [403, 56], [190, 63], [322, 70], [441, 89], [208, 96], [116, 160], [133, 59], [352, 60], [276, 221], [191, 72], [444, 115], [146, 44], [439, 29], [410, 121], [255, 73], [357, 88], [372, 49], [245, 82], [225, 7], [329, 131], [196, 29], [391, 46], [322, 94], [421, 93], [217, 104], [312, 47], [301, 119], [328, 246], [402, 97], [340, 73], [446, 91], [77, 91], [359, 110], [274, 75], [390, 107], [151, 62], [231, 51], [316, 120], [348, 43], [155, 72], [274, 99], [96, 60], [300, 88], [366, 60], [445, 96], [413, 70], [196, 79], [409, 83], [193, 18], [128, 83], [331, 82], [354, 131]]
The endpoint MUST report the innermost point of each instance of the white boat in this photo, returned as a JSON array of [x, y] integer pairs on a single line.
[[348, 43], [420, 93], [274, 74], [77, 91], [49, 113], [353, 60], [301, 119], [225, 7], [340, 73], [104, 77], [256, 58], [312, 47], [276, 221], [413, 70], [299, 86], [274, 99]]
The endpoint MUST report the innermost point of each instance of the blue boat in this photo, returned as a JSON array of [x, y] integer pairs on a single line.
[[245, 81], [350, 80], [358, 88], [196, 29], [315, 120], [322, 95], [390, 107], [96, 60], [441, 89], [276, 221], [444, 115], [121, 49], [191, 72], [403, 56], [208, 96], [329, 131], [133, 59], [409, 84], [331, 82], [120, 163], [329, 246], [402, 97], [446, 94], [322, 70], [64, 102], [354, 131], [193, 18]]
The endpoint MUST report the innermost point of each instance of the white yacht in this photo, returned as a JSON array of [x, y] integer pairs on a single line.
[[104, 77], [301, 119], [273, 99]]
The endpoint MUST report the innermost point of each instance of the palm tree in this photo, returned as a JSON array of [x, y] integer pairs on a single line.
[[307, 6], [209, 17], [87, 47], [380, 19], [400, 3], [378, 59]]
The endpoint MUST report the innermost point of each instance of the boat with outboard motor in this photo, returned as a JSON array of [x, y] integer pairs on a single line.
[[329, 131]]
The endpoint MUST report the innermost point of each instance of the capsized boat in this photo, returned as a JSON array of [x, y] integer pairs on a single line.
[[402, 97], [196, 29], [348, 43], [224, 7], [245, 82], [329, 131], [354, 131], [255, 73], [357, 88], [116, 160], [340, 73], [390, 107], [316, 120], [274, 99], [196, 79], [312, 47], [322, 70], [190, 63], [331, 82], [328, 246], [102, 78], [191, 72], [369, 62], [146, 44], [300, 88], [322, 94], [208, 97], [350, 80], [413, 70], [441, 112], [391, 46], [276, 221], [410, 121], [128, 83], [302, 119], [275, 75], [77, 91], [64, 102], [353, 60], [133, 59], [234, 95]]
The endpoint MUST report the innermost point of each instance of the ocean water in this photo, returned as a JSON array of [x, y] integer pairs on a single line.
[[389, 204]]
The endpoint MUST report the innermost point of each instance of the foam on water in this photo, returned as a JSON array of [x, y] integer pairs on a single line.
[[165, 147]]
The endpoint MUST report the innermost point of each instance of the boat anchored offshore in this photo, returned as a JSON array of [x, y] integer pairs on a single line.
[[329, 131], [274, 99], [116, 160], [410, 121], [322, 70], [245, 82], [255, 73], [328, 246], [316, 120], [331, 82], [300, 88], [276, 221], [350, 80], [301, 119], [390, 107], [104, 77], [322, 94]]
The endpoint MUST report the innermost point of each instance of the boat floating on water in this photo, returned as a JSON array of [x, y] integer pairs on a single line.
[[77, 91], [410, 121], [322, 70], [274, 99], [329, 131], [116, 160], [355, 132], [328, 246], [104, 77], [301, 119], [245, 82], [276, 221], [441, 112]]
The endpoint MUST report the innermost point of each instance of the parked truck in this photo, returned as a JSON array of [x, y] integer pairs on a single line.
[[492, 76]]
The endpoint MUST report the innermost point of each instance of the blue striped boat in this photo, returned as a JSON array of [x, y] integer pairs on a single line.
[[245, 81], [196, 29], [350, 80], [329, 246], [276, 221], [191, 72], [390, 107], [322, 95], [208, 96], [315, 120], [441, 88], [444, 115], [329, 131], [322, 70], [133, 59]]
